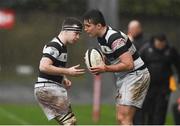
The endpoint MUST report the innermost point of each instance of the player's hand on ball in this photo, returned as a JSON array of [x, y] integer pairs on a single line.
[[98, 69], [94, 60], [75, 70]]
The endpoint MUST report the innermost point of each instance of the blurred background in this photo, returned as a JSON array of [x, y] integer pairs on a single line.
[[26, 25]]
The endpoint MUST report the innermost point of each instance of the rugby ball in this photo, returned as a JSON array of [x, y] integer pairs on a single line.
[[93, 57]]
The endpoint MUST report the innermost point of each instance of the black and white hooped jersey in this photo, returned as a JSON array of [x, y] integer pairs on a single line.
[[57, 52], [114, 43]]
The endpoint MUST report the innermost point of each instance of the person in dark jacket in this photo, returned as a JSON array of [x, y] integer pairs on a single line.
[[159, 57]]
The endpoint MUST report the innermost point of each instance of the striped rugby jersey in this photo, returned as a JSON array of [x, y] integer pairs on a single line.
[[57, 52], [113, 44]]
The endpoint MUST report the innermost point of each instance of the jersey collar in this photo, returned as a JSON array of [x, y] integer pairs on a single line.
[[107, 28], [60, 41]]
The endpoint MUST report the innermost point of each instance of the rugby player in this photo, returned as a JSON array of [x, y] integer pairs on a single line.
[[132, 76], [52, 84]]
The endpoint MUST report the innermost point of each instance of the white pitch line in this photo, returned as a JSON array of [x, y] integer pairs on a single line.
[[12, 116]]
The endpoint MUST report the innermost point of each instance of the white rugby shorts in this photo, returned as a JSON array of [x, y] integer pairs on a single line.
[[132, 89], [52, 98]]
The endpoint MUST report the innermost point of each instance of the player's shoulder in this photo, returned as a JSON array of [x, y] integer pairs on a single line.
[[54, 45], [111, 32], [55, 42], [113, 35]]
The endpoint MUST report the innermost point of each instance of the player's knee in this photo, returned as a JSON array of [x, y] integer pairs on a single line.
[[120, 118], [68, 119], [124, 119]]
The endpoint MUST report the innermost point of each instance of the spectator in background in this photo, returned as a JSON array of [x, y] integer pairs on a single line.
[[159, 57], [135, 33]]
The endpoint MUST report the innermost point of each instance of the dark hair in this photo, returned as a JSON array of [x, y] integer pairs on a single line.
[[160, 36], [95, 16], [69, 22]]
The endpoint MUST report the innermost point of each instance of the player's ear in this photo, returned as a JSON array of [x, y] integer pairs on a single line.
[[99, 25]]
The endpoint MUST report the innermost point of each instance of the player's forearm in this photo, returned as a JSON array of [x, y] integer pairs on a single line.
[[52, 70]]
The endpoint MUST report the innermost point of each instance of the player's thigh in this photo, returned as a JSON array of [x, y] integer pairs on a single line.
[[53, 95], [133, 90], [53, 100]]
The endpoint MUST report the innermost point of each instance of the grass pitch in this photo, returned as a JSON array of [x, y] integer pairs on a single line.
[[13, 114]]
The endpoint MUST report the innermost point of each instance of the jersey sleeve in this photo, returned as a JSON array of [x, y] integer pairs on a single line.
[[50, 52], [118, 44]]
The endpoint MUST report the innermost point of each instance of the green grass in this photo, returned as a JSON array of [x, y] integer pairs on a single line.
[[33, 115], [84, 114]]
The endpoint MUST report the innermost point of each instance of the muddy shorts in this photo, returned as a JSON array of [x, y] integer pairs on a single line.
[[52, 98], [132, 89]]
